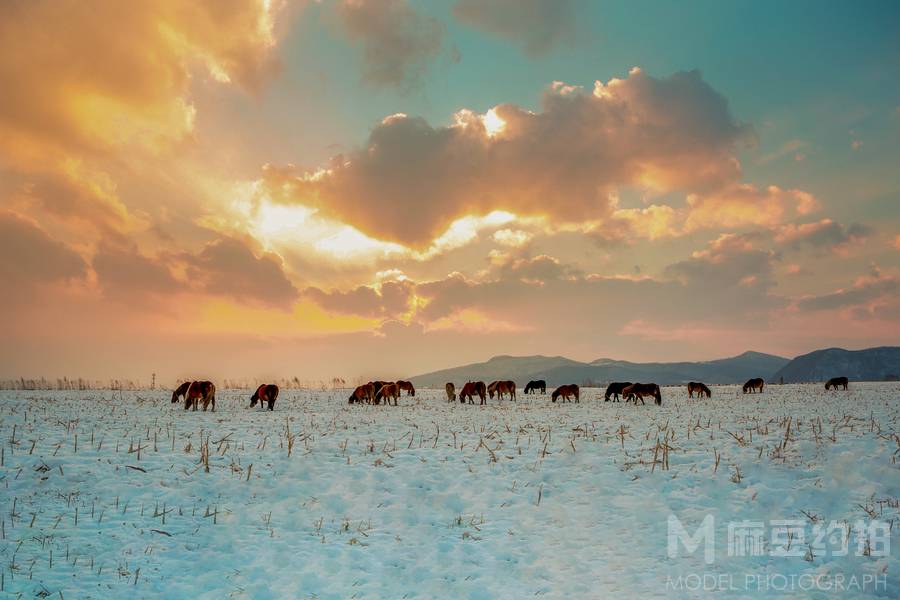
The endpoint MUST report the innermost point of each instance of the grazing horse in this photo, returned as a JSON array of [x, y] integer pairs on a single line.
[[386, 392], [181, 390], [534, 386], [506, 387], [407, 386], [375, 398], [637, 391], [754, 384], [363, 393], [473, 388], [451, 392], [200, 391], [615, 390], [700, 388], [834, 382], [265, 393], [502, 387], [566, 391]]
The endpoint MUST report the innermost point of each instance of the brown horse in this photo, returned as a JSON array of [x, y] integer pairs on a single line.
[[388, 391], [834, 382], [376, 387], [566, 391], [637, 391], [265, 393], [407, 386], [451, 392], [181, 390], [197, 392], [473, 388], [502, 387], [363, 393], [614, 390], [754, 384], [533, 386], [700, 388]]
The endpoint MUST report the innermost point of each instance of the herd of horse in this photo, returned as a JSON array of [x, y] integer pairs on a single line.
[[204, 392], [197, 393], [377, 392]]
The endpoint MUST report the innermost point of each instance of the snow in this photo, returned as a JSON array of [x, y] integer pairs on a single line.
[[430, 499]]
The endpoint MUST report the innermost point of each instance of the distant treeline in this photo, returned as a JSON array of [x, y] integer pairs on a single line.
[[81, 383]]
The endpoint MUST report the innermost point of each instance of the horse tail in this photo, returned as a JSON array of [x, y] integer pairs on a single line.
[[657, 394]]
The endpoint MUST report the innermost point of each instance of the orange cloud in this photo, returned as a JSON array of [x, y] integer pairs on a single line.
[[654, 222], [411, 179], [740, 205], [825, 234], [228, 267], [29, 255], [118, 73]]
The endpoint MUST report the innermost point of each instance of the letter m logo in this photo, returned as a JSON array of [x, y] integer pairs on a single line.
[[705, 534]]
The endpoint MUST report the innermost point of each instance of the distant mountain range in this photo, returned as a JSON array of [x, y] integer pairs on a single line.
[[557, 370], [874, 364]]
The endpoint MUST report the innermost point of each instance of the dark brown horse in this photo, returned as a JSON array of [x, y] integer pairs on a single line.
[[502, 387], [180, 391], [700, 388], [835, 382], [363, 393], [614, 390], [407, 386], [451, 392], [265, 393], [566, 391], [195, 392], [756, 384], [533, 386], [387, 392], [471, 389], [637, 391]]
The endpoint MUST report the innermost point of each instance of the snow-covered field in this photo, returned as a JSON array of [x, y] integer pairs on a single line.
[[106, 495]]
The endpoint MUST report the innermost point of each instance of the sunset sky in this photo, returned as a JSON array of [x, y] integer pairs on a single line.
[[385, 187]]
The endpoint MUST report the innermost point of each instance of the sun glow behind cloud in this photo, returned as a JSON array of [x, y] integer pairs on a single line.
[[301, 228], [493, 124]]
